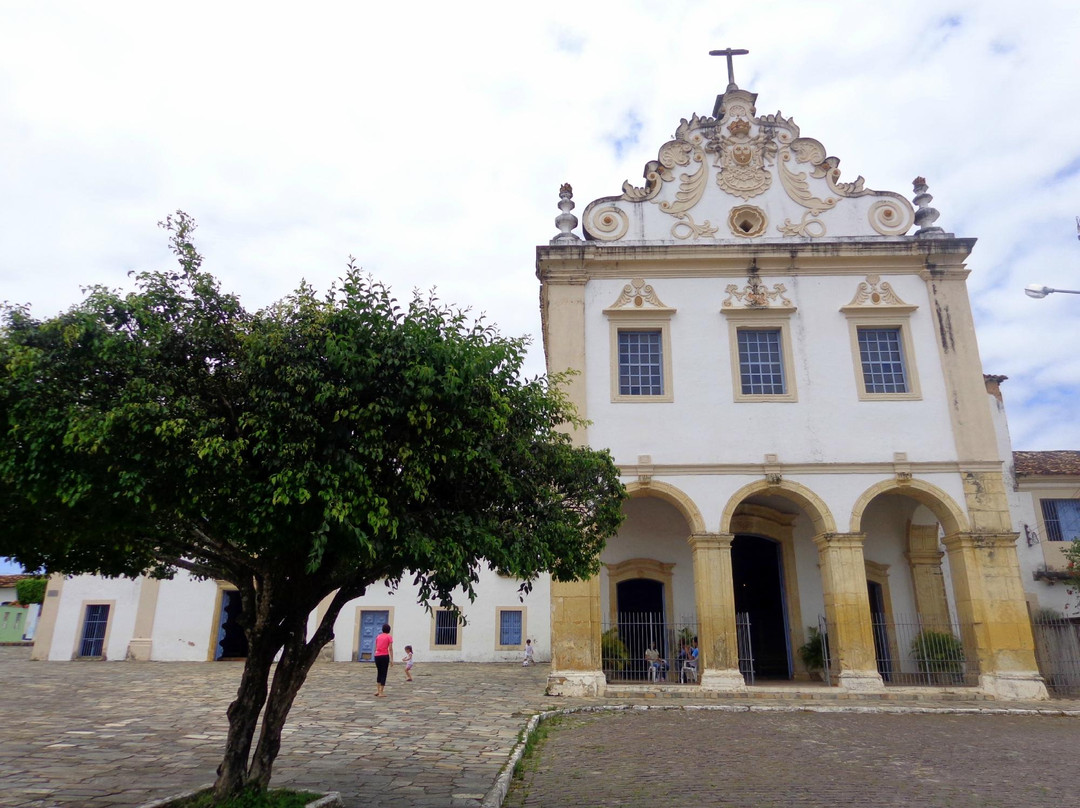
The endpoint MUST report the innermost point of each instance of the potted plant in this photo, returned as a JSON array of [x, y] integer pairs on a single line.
[[940, 655], [614, 654], [813, 652]]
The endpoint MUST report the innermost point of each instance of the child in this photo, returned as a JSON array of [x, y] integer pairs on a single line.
[[528, 654], [407, 659]]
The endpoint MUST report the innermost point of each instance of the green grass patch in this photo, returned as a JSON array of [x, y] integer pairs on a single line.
[[527, 761]]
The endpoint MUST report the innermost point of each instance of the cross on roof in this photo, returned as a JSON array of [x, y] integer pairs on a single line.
[[729, 52]]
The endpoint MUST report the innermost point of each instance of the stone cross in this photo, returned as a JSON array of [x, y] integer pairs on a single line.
[[729, 52]]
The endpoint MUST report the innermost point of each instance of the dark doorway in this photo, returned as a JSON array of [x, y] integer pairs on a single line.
[[881, 629], [232, 642], [759, 591], [640, 612]]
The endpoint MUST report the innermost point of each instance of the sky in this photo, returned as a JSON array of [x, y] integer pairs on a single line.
[[429, 140]]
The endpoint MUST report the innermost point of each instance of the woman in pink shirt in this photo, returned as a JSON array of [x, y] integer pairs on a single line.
[[384, 656]]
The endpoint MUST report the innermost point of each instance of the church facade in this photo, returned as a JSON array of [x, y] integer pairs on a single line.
[[784, 365]]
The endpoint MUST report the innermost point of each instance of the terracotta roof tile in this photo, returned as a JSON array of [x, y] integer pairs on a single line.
[[1046, 463], [8, 581]]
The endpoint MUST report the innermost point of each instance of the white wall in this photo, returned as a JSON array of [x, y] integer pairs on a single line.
[[828, 423]]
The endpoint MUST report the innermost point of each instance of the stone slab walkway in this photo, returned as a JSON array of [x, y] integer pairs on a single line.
[[111, 734]]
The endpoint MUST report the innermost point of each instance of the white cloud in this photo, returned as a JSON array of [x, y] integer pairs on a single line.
[[429, 140]]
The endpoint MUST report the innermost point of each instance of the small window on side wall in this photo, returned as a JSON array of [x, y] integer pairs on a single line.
[[1061, 518], [445, 630]]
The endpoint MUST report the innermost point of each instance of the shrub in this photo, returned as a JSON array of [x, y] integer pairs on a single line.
[[30, 590], [814, 650], [613, 651], [938, 652]]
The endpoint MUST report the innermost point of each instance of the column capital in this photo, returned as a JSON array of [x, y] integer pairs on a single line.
[[830, 540], [710, 541], [979, 541], [931, 557]]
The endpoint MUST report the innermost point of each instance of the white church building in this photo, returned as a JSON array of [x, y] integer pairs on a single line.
[[785, 368]]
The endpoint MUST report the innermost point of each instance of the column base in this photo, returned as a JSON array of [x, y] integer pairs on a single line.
[[723, 680], [326, 653], [861, 681], [139, 650], [1020, 686], [576, 683]]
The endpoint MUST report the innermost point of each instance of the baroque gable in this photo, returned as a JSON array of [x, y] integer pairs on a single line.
[[738, 177]]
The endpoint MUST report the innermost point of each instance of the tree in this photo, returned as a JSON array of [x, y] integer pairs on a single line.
[[302, 452], [30, 590]]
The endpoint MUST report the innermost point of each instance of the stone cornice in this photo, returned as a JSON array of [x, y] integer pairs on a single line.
[[936, 259], [657, 470]]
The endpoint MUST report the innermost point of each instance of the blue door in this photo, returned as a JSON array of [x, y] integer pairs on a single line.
[[371, 624]]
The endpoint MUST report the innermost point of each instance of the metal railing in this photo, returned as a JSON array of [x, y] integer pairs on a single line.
[[1057, 649], [643, 647], [911, 651]]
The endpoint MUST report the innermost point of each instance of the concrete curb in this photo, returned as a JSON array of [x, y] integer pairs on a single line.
[[331, 799], [498, 791]]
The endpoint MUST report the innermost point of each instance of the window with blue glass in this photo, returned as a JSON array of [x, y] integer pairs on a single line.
[[641, 363], [761, 362], [1061, 518], [882, 356]]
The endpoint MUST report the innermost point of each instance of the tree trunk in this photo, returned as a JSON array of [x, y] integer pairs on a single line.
[[297, 657], [243, 716]]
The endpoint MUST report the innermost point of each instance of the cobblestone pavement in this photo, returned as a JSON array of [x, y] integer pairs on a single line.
[[761, 759], [106, 735], [122, 733]]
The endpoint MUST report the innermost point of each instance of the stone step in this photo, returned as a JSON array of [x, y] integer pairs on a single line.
[[795, 693]]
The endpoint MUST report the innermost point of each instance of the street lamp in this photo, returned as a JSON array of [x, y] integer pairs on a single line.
[[1042, 291]]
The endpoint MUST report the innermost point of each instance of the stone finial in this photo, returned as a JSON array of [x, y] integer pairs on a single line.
[[566, 221], [925, 216]]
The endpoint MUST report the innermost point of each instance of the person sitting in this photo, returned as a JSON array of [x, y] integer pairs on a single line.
[[657, 666], [688, 664]]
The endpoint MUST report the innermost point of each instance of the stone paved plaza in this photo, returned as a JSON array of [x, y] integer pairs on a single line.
[[120, 733], [705, 758]]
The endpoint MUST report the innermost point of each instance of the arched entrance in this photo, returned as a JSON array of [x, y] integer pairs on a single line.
[[757, 575], [641, 618]]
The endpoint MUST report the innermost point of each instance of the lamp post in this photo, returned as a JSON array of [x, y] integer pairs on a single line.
[[1034, 290]]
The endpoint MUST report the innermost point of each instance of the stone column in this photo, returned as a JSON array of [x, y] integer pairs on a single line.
[[714, 594], [575, 639], [926, 575], [140, 645], [993, 613], [847, 609]]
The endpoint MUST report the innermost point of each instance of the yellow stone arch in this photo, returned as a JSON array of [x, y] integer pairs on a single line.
[[802, 496], [951, 516], [673, 496]]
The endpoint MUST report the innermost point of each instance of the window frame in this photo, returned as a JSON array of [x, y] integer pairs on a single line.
[[1057, 519], [762, 319], [499, 646], [891, 317], [456, 646], [621, 323], [83, 609]]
